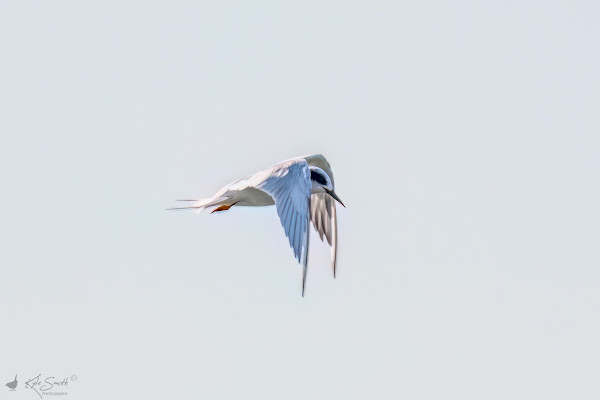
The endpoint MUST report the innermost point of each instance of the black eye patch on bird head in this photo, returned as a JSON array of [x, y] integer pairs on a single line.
[[317, 177]]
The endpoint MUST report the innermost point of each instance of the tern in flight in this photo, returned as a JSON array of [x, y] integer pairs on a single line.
[[301, 190]]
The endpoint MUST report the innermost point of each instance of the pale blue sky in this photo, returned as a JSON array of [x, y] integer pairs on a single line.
[[464, 138]]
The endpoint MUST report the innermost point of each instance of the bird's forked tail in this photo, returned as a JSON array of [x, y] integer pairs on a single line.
[[201, 204]]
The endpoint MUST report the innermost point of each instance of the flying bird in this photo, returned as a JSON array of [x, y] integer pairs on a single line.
[[301, 189], [12, 385]]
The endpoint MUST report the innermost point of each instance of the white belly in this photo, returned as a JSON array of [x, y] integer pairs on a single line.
[[252, 197]]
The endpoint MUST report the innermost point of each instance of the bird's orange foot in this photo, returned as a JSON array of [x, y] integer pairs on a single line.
[[223, 208]]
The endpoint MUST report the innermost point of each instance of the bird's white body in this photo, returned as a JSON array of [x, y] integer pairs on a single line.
[[247, 196], [300, 188]]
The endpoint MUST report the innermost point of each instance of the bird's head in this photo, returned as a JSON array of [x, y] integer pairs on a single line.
[[321, 183]]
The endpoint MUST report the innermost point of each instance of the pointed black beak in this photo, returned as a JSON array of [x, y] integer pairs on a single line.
[[335, 196]]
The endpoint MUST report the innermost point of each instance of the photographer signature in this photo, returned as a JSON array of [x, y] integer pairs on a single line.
[[40, 386]]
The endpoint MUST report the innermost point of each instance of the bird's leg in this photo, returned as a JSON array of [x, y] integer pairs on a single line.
[[224, 207]]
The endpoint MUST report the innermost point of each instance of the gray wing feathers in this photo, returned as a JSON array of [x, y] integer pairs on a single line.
[[324, 219], [289, 185], [322, 208], [333, 237]]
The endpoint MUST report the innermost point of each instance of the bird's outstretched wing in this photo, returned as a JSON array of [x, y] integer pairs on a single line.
[[289, 185], [324, 219], [322, 208]]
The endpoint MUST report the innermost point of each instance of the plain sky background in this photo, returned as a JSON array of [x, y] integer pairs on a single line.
[[464, 138]]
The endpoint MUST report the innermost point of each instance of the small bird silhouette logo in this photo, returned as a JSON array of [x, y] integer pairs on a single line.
[[12, 385]]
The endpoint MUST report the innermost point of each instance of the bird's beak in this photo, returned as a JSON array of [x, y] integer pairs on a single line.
[[335, 196]]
